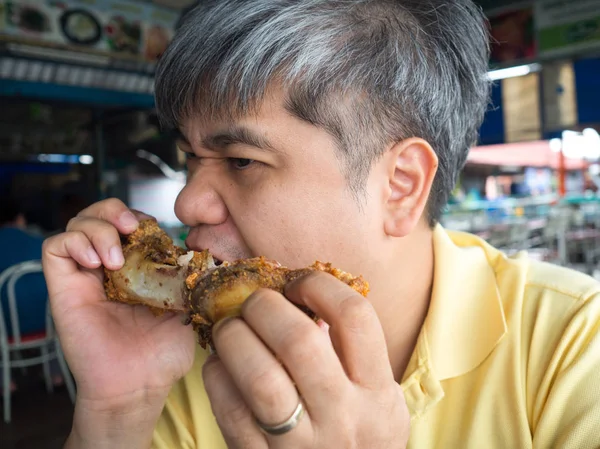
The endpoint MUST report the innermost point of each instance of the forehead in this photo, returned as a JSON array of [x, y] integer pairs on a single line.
[[207, 111], [263, 115]]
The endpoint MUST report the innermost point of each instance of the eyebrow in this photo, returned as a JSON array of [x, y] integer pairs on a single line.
[[234, 135]]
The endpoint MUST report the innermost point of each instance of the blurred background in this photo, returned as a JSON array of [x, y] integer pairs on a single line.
[[77, 125]]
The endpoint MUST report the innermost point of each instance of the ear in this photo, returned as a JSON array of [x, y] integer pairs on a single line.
[[411, 168]]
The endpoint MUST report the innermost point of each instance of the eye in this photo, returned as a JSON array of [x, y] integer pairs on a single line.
[[240, 163]]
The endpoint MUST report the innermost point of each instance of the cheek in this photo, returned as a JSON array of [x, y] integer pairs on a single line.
[[269, 224], [298, 229]]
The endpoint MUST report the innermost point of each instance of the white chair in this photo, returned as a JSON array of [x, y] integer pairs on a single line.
[[46, 342]]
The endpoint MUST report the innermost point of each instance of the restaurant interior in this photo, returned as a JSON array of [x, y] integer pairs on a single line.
[[77, 124]]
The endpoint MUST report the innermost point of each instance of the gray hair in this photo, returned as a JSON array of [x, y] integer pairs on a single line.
[[370, 72]]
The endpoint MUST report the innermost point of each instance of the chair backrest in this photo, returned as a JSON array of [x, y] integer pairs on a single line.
[[10, 276]]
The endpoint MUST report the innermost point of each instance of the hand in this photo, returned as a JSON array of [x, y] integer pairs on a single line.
[[121, 356], [276, 354]]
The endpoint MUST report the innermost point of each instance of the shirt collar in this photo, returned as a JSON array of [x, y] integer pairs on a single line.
[[466, 319]]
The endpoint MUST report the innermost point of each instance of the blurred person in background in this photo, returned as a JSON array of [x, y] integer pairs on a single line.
[[20, 245]]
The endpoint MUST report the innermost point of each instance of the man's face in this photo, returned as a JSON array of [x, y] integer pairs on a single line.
[[273, 185]]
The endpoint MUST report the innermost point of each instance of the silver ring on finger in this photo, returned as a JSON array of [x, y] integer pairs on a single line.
[[287, 425]]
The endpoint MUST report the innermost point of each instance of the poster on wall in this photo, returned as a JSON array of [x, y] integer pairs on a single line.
[[111, 26], [513, 37], [565, 27]]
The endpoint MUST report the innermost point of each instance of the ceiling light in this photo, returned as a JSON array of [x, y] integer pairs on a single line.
[[513, 72], [86, 159]]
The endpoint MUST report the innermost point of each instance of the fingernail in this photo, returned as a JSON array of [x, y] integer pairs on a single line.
[[92, 256], [116, 256], [297, 278], [219, 324], [128, 220], [289, 286]]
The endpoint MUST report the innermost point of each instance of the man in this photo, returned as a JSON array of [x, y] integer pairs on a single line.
[[333, 130]]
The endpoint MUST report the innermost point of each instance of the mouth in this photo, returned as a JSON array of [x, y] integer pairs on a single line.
[[218, 260], [161, 276], [193, 243]]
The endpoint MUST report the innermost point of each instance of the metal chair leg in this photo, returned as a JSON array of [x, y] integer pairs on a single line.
[[17, 356], [6, 383], [46, 367]]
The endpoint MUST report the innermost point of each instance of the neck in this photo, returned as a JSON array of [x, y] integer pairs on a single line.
[[401, 296]]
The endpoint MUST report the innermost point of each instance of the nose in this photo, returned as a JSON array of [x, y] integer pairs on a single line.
[[199, 203]]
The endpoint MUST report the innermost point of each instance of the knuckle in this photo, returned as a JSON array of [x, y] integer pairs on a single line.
[[114, 209], [106, 233], [74, 242], [270, 388], [112, 204], [73, 222], [47, 243], [110, 209], [107, 209], [388, 403], [303, 344], [355, 312], [306, 347], [88, 211], [347, 439], [77, 238], [235, 414], [345, 433]]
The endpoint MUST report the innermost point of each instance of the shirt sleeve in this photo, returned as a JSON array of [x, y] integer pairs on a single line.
[[569, 400], [187, 421]]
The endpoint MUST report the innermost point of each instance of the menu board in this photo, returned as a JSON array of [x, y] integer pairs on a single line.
[[565, 27], [140, 30]]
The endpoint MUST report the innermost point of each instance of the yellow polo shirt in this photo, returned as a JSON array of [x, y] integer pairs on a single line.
[[508, 357]]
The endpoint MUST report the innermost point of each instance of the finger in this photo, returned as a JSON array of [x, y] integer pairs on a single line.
[[354, 326], [67, 255], [141, 215], [234, 418], [103, 236], [62, 253], [113, 211], [303, 347], [261, 379]]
